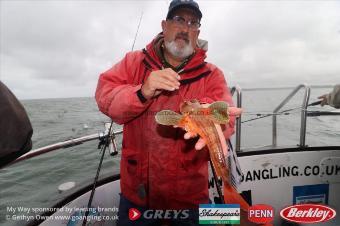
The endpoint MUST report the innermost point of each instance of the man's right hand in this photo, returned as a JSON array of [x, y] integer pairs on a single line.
[[324, 99], [166, 79]]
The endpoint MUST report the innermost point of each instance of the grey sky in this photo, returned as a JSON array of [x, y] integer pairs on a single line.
[[59, 48]]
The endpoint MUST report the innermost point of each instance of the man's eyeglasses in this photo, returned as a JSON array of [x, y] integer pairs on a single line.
[[181, 22]]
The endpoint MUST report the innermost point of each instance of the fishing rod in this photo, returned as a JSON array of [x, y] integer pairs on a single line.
[[218, 188], [216, 179], [232, 157], [105, 144], [321, 113], [285, 112]]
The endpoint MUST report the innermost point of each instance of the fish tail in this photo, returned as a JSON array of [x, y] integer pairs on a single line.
[[233, 197]]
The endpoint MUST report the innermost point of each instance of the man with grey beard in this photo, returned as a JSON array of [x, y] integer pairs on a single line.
[[159, 169]]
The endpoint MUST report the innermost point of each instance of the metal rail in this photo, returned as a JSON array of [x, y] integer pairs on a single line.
[[303, 114], [63, 144], [238, 120], [238, 91]]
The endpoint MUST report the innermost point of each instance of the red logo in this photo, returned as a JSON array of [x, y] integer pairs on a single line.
[[308, 213], [261, 214], [134, 214]]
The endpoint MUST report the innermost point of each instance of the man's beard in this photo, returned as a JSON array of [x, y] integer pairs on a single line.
[[179, 52]]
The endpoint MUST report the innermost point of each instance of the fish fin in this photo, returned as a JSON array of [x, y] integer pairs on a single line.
[[231, 196], [219, 112], [168, 118]]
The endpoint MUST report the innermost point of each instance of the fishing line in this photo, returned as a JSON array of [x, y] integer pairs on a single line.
[[260, 116], [285, 112], [264, 113], [106, 144], [134, 41]]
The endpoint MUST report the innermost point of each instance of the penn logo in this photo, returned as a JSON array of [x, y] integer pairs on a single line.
[[308, 213], [134, 214], [261, 214]]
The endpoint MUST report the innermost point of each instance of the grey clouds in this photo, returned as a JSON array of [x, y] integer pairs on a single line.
[[58, 48]]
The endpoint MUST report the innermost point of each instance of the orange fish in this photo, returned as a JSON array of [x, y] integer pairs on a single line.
[[201, 121]]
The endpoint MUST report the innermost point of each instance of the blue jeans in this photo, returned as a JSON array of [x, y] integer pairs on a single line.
[[123, 214]]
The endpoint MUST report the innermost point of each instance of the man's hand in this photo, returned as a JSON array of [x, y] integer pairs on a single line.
[[199, 144], [324, 99], [233, 111], [166, 79]]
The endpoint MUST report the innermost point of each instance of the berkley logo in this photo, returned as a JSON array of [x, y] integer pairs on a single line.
[[261, 213], [308, 213]]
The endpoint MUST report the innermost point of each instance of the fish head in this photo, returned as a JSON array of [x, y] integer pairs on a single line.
[[189, 106]]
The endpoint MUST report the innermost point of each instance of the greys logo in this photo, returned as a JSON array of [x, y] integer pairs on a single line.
[[165, 214]]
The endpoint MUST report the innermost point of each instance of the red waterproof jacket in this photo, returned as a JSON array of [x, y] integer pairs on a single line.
[[160, 169]]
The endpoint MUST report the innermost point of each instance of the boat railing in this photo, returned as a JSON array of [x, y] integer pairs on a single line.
[[73, 142], [304, 106], [238, 91], [303, 114]]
